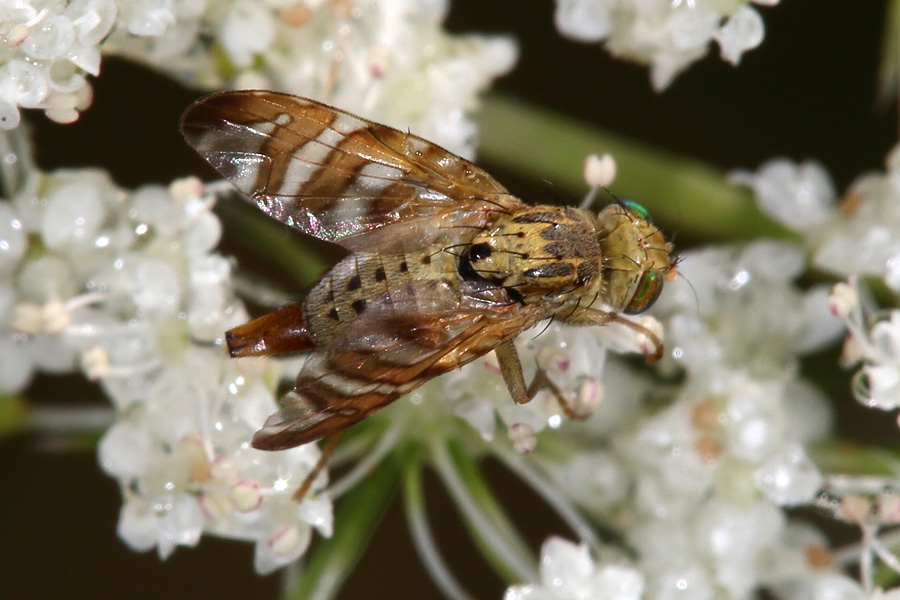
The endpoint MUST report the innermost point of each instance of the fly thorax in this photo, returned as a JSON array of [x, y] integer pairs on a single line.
[[537, 253], [635, 257]]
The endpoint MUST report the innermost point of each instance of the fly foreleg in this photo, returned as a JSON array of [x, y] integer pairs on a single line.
[[600, 317], [511, 369]]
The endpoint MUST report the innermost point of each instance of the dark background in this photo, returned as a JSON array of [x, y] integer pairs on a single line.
[[808, 92]]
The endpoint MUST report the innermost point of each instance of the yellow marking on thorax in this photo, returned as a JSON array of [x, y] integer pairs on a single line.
[[540, 253]]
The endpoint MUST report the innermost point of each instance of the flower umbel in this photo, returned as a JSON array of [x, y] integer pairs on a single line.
[[568, 571], [677, 479], [857, 239], [390, 61], [668, 35], [126, 285]]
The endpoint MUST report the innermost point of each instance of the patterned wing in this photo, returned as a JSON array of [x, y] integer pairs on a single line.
[[383, 355], [337, 176]]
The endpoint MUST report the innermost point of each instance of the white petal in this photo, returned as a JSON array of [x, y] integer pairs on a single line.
[[566, 568], [616, 582], [138, 525], [125, 451], [743, 31], [789, 478], [583, 20]]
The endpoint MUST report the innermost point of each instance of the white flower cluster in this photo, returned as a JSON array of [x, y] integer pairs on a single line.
[[390, 61], [668, 35], [870, 504], [697, 484], [860, 238], [573, 358], [47, 47], [715, 467], [873, 342], [568, 572], [126, 285]]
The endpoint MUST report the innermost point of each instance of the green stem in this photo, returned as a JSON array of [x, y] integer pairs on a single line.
[[13, 412], [550, 492], [682, 193], [17, 164], [355, 521], [483, 515], [854, 459], [417, 518], [889, 69]]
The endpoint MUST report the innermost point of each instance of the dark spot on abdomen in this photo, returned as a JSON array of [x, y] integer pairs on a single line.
[[359, 305], [353, 283]]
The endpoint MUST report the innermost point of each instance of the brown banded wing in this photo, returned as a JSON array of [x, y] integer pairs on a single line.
[[337, 176], [391, 349]]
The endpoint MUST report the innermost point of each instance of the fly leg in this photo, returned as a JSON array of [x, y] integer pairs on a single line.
[[320, 464], [600, 317], [511, 369]]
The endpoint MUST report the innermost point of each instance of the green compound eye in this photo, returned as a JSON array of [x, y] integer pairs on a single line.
[[648, 290], [637, 210]]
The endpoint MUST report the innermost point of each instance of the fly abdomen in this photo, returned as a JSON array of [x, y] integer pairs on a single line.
[[362, 281]]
